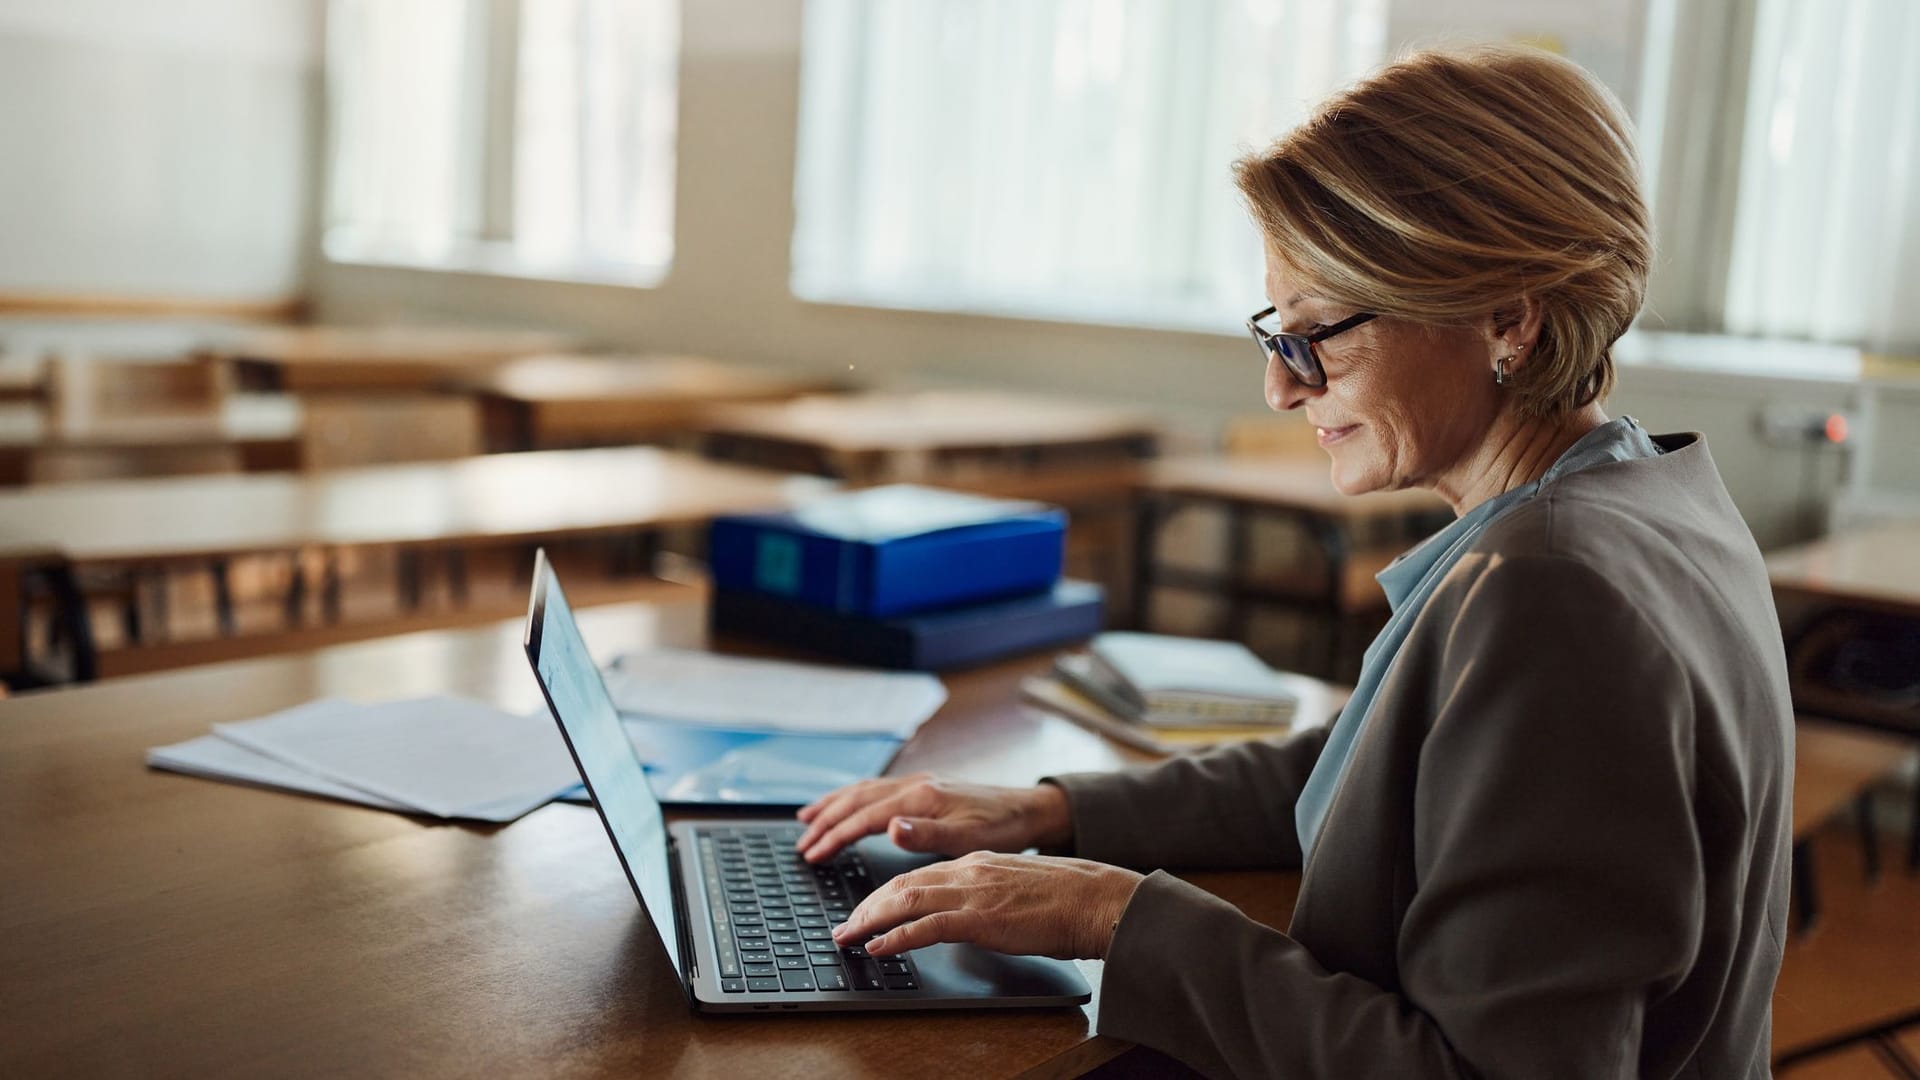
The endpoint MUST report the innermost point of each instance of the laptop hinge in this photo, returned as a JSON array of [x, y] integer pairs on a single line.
[[683, 917]]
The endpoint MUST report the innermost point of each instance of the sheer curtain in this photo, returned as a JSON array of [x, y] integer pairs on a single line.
[[522, 136], [1827, 227], [1060, 158]]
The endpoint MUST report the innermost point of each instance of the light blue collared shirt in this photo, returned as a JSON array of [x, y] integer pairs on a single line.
[[1410, 580]]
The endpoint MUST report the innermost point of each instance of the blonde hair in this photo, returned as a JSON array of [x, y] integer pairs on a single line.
[[1450, 184]]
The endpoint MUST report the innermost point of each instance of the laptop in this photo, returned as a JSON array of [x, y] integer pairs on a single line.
[[745, 922]]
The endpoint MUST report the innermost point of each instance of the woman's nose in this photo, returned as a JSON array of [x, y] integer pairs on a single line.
[[1283, 390]]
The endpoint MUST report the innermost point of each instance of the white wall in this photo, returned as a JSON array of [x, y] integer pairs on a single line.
[[158, 147], [727, 294]]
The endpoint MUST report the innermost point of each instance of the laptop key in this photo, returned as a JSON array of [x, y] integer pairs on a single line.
[[797, 980], [764, 984], [829, 979], [817, 922], [816, 934], [785, 937], [822, 947], [788, 949], [791, 963], [831, 960], [761, 956], [893, 967], [734, 986], [762, 970], [864, 976], [900, 982]]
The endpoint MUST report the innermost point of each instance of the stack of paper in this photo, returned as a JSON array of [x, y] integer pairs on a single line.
[[444, 757]]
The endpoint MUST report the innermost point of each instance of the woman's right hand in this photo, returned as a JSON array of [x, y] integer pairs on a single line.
[[921, 813]]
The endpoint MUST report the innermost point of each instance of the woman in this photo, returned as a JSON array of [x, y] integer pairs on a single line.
[[1548, 836]]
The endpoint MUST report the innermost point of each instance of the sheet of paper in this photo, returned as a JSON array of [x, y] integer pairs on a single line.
[[735, 692], [215, 758], [445, 756]]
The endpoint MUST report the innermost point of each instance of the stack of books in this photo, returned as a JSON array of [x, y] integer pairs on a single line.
[[901, 576], [1167, 694]]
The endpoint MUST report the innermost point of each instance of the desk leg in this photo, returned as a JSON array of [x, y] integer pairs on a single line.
[[330, 587], [1146, 532], [1805, 902], [1239, 559], [457, 576], [72, 620], [296, 599], [222, 595]]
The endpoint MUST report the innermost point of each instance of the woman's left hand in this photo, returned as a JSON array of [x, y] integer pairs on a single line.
[[1027, 904]]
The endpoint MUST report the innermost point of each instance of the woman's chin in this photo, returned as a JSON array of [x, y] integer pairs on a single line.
[[1351, 479]]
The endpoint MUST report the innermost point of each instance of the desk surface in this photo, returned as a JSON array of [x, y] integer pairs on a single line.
[[1878, 567], [561, 398], [242, 418], [499, 497], [344, 358], [1290, 483], [218, 929], [930, 421]]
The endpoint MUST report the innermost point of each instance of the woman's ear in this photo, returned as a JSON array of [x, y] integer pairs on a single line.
[[1516, 333]]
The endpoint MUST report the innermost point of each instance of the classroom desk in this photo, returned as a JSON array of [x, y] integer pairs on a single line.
[[1355, 536], [310, 359], [163, 923], [1823, 590], [249, 432], [445, 507], [564, 400]]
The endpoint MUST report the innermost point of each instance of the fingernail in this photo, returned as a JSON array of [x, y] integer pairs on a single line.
[[874, 945], [905, 825]]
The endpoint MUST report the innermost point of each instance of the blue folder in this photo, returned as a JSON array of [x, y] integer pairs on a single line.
[[891, 550]]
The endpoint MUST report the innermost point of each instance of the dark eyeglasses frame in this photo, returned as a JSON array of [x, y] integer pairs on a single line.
[[1296, 351]]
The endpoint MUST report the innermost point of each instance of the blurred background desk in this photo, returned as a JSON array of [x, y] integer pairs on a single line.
[[1324, 570], [212, 927], [245, 433], [310, 359], [565, 400], [617, 501]]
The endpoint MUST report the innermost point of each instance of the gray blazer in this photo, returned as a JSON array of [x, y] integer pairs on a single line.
[[1560, 848]]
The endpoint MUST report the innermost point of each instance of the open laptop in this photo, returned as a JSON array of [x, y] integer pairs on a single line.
[[745, 921]]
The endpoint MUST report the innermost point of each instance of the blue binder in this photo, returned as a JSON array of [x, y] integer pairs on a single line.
[[891, 550]]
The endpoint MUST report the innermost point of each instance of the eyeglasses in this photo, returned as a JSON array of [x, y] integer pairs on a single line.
[[1296, 350]]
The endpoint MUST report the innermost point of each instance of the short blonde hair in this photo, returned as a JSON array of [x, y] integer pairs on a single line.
[[1451, 183]]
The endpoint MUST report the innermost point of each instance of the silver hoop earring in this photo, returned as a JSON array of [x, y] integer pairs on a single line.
[[1500, 376]]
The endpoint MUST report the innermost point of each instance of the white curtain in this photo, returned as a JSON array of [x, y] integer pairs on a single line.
[[530, 136], [397, 78], [1827, 227], [1064, 158]]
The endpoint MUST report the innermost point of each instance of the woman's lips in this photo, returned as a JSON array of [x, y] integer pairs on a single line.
[[1330, 435]]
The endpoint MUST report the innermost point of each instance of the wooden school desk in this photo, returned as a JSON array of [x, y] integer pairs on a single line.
[[165, 924], [310, 359], [194, 522], [1299, 489], [246, 433], [564, 400]]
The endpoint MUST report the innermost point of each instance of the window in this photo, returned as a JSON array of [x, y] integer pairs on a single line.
[[529, 137], [1826, 231], [1056, 158]]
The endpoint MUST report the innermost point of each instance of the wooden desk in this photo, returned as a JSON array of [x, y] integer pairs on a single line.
[[21, 379], [501, 499], [1826, 591], [311, 359], [246, 433], [1356, 537], [160, 921], [565, 400]]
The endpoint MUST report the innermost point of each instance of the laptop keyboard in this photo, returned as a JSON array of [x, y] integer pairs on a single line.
[[774, 913]]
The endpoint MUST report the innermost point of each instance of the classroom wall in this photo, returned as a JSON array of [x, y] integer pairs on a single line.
[[727, 294], [158, 149]]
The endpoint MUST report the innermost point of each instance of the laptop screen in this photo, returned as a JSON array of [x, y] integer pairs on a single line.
[[607, 762]]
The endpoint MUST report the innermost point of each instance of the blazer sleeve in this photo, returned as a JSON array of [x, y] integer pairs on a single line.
[[1231, 807], [1559, 880]]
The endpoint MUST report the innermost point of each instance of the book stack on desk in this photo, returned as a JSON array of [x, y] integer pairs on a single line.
[[1166, 694], [901, 576]]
